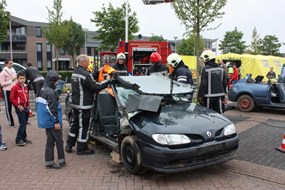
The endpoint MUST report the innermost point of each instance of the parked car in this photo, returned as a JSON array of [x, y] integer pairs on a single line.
[[18, 67], [251, 93], [152, 128]]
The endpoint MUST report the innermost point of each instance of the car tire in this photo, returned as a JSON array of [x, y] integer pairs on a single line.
[[131, 155], [245, 103]]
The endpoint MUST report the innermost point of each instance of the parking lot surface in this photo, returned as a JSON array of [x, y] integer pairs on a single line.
[[257, 165]]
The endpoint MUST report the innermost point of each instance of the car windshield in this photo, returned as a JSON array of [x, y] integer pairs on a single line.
[[181, 92]]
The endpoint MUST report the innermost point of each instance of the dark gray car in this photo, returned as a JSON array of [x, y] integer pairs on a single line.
[[152, 128]]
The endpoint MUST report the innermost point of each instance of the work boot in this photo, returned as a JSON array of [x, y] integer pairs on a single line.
[[68, 148]]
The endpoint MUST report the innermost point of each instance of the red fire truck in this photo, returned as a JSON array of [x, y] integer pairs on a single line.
[[139, 53]]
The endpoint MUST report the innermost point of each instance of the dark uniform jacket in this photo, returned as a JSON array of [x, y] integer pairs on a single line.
[[121, 69], [32, 73], [84, 88], [156, 68], [183, 74], [213, 80]]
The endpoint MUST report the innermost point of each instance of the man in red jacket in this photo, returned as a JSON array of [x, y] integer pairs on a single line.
[[19, 97]]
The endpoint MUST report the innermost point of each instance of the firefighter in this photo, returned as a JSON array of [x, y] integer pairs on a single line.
[[213, 83], [120, 66], [155, 59], [83, 89], [178, 70]]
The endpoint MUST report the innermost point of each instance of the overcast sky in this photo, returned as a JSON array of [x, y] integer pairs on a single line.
[[266, 15]]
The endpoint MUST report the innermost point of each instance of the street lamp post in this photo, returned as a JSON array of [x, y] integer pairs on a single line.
[[85, 46], [10, 38], [175, 38], [126, 32]]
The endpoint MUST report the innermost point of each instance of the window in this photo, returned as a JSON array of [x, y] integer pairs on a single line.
[[38, 32], [20, 30], [39, 47], [40, 64], [62, 51], [48, 48], [49, 66]]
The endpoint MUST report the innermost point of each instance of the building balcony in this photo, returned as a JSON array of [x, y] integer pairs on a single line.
[[16, 38]]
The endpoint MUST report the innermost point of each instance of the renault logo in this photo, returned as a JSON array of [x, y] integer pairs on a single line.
[[209, 134]]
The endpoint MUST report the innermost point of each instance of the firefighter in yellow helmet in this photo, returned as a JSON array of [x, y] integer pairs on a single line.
[[213, 83]]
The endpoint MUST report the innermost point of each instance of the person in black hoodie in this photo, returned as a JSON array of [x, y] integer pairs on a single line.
[[213, 83], [179, 71], [120, 65], [155, 59], [49, 116]]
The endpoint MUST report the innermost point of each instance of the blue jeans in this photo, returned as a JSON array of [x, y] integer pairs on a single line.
[[0, 135], [23, 118]]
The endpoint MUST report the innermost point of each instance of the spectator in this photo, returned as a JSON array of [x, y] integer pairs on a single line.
[[49, 116], [20, 99], [8, 78], [178, 70], [213, 83], [35, 77], [83, 88], [271, 74], [59, 86], [234, 76], [155, 59]]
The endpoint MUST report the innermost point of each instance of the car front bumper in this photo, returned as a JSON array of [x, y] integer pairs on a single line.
[[164, 159]]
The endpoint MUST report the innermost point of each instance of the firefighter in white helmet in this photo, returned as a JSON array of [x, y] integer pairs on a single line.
[[120, 66], [178, 70], [213, 83]]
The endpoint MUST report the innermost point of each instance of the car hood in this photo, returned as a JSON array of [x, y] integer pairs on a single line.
[[181, 118]]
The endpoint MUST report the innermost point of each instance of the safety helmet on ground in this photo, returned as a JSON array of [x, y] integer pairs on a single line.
[[155, 57], [173, 59], [207, 55], [121, 56]]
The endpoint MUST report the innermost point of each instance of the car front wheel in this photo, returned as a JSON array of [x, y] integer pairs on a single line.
[[131, 155], [246, 103]]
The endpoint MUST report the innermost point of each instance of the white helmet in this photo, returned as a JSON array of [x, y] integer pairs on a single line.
[[173, 59], [207, 55], [121, 56]]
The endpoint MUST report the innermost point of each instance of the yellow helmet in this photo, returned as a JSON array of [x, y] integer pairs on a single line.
[[90, 68]]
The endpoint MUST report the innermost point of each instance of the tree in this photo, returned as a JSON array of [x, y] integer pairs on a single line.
[[75, 40], [4, 20], [111, 23], [255, 43], [232, 42], [186, 46], [270, 45], [56, 32], [157, 38], [196, 15]]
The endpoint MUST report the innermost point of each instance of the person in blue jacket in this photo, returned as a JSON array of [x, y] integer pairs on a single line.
[[49, 117]]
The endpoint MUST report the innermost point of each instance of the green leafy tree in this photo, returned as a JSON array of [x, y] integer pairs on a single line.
[[270, 45], [196, 15], [255, 43], [4, 20], [75, 40], [232, 42], [157, 38], [56, 33], [111, 25], [186, 46]]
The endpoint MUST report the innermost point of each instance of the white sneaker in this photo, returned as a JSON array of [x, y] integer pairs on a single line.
[[3, 147]]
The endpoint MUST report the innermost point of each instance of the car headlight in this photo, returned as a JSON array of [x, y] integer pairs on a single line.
[[230, 129], [171, 139]]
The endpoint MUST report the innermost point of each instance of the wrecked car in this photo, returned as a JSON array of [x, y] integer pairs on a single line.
[[151, 122]]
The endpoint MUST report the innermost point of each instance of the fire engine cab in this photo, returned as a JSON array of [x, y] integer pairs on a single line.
[[139, 53]]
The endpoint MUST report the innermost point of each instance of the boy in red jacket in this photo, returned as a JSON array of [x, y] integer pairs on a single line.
[[19, 97]]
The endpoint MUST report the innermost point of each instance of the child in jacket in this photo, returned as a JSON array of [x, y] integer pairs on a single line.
[[49, 116], [19, 97]]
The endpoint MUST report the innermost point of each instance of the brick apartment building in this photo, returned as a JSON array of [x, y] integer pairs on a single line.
[[30, 46]]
